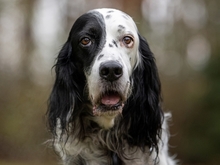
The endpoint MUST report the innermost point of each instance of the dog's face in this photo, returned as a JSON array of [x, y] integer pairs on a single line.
[[106, 41]]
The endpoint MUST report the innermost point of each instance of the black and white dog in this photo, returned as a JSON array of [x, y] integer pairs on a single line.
[[105, 106]]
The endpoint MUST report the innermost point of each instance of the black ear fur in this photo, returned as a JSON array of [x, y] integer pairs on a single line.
[[67, 90], [142, 112]]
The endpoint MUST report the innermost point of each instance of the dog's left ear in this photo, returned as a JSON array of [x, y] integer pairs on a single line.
[[142, 112]]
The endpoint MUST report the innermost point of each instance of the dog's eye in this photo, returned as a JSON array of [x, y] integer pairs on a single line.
[[85, 41], [128, 41]]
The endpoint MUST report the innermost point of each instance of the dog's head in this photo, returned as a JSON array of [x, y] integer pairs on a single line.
[[107, 68], [106, 42]]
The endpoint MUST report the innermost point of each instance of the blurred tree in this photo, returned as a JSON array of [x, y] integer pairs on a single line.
[[203, 125], [133, 7], [22, 103], [28, 45], [203, 131]]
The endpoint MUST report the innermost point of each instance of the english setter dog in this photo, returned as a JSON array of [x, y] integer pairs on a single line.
[[105, 106]]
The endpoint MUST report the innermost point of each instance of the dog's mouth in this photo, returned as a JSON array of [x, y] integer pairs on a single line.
[[110, 103]]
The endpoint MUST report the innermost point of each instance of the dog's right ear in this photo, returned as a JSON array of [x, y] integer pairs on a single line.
[[66, 94]]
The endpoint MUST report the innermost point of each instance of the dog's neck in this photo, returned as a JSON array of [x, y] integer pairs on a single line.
[[105, 122]]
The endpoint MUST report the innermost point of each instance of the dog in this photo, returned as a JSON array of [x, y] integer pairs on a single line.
[[105, 105]]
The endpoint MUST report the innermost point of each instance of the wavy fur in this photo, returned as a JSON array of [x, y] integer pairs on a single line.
[[135, 136]]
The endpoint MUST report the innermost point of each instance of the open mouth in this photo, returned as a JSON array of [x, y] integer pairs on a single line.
[[110, 103]]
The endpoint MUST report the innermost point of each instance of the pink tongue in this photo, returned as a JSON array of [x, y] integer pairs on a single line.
[[110, 99]]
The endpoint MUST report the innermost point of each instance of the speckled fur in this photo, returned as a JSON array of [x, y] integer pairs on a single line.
[[136, 133]]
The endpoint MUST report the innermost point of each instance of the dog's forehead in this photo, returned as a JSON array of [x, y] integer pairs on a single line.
[[116, 17], [113, 13]]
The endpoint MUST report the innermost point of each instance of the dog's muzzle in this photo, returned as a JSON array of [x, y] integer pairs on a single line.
[[111, 100]]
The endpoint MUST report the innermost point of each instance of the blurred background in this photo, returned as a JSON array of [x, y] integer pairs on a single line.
[[184, 36]]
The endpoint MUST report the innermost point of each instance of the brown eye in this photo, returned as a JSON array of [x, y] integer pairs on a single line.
[[128, 41], [85, 41]]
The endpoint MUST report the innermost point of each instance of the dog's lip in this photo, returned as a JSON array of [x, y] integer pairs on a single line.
[[111, 107], [111, 110]]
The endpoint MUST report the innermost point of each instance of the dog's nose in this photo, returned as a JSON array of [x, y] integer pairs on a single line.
[[110, 70]]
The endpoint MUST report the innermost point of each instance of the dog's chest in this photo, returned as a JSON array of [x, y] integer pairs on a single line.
[[91, 152]]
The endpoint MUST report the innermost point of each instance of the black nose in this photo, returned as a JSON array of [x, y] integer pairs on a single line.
[[110, 70]]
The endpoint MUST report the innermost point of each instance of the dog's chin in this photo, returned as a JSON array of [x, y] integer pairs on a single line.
[[107, 107], [109, 103]]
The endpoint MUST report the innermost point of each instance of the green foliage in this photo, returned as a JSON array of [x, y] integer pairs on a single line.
[[204, 127]]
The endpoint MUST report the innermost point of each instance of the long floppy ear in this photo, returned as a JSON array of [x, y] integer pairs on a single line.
[[142, 112], [66, 95]]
